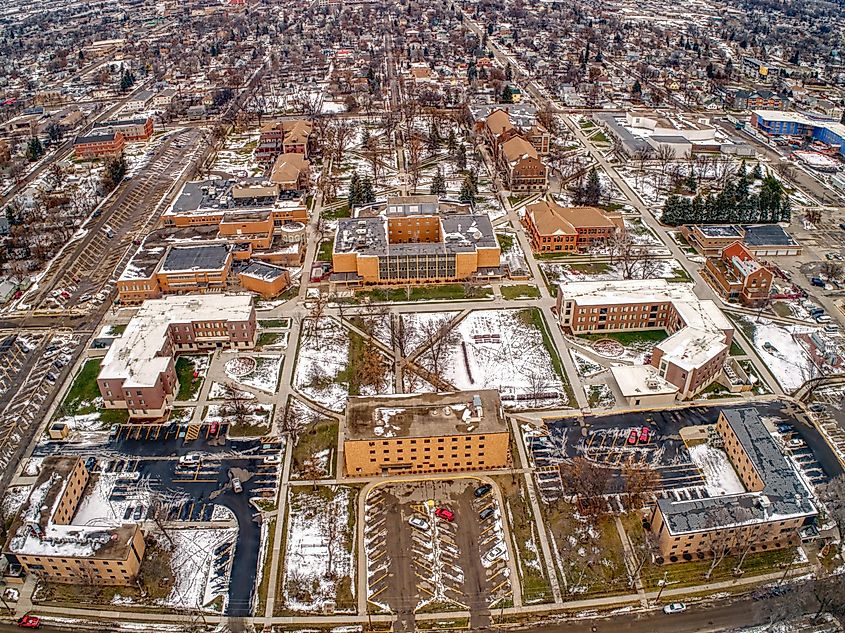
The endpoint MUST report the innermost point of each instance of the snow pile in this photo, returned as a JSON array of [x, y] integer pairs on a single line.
[[719, 475]]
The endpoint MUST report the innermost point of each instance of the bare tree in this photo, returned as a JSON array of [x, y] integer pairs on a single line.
[[441, 335], [640, 482], [235, 404], [402, 332], [588, 483], [831, 269], [415, 149], [832, 495]]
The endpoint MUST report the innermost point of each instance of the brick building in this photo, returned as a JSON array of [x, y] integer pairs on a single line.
[[738, 276], [413, 242], [44, 541], [769, 515], [554, 228], [132, 129], [521, 167], [283, 137], [93, 146], [700, 336], [425, 433], [761, 240], [138, 372]]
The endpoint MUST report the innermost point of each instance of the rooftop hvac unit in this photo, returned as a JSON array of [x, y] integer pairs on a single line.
[[764, 502], [652, 383]]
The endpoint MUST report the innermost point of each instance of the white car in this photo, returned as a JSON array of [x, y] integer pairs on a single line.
[[191, 459], [237, 486], [497, 552], [272, 459], [419, 523], [675, 607]]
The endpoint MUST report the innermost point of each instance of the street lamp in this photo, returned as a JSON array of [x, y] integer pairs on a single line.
[[662, 584]]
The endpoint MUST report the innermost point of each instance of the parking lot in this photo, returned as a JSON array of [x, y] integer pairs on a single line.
[[617, 440], [418, 559]]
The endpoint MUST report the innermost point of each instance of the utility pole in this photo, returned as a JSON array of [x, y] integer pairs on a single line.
[[662, 583]]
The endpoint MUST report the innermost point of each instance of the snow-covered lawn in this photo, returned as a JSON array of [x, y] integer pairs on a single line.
[[318, 553], [719, 475], [654, 269], [200, 574], [258, 415], [418, 325], [599, 395], [782, 353], [238, 155], [265, 375], [586, 367], [323, 354], [504, 350]]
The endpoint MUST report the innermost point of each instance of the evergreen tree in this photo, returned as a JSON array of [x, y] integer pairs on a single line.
[[473, 180], [507, 95], [508, 72], [438, 184], [461, 159], [34, 149], [757, 172], [467, 190], [354, 197], [433, 140], [637, 90], [592, 190], [452, 142], [365, 138], [115, 170], [368, 195]]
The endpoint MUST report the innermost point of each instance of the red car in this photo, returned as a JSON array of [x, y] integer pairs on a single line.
[[645, 435], [632, 436], [445, 514], [29, 622], [213, 427]]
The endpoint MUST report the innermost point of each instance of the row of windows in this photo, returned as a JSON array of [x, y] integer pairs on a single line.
[[426, 440], [427, 449]]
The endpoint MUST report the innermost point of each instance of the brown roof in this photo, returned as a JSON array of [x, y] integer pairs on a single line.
[[517, 147], [550, 218], [287, 168], [498, 122]]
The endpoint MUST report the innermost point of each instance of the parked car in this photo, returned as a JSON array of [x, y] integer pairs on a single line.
[[418, 522], [817, 281], [675, 607], [487, 513], [482, 490], [237, 486], [50, 376], [115, 429], [213, 427], [817, 407], [497, 552], [272, 459], [191, 459], [127, 513], [795, 443], [632, 436], [90, 463], [444, 513], [822, 318], [645, 435], [29, 622], [139, 513]]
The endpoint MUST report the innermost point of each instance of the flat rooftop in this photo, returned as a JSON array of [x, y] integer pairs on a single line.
[[424, 415], [135, 356], [767, 235], [195, 258], [784, 494]]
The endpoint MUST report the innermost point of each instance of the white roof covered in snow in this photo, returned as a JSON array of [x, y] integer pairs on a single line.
[[135, 357], [641, 380]]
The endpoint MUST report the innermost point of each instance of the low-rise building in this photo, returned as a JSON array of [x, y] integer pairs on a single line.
[[425, 433], [44, 541], [283, 137], [290, 172], [521, 167], [93, 146], [132, 129], [763, 240], [411, 241], [138, 372], [700, 335], [769, 515], [738, 276], [554, 228]]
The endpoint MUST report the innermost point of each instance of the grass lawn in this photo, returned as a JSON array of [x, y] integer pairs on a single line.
[[553, 255], [265, 566], [79, 399], [189, 386], [342, 211], [736, 349], [267, 338], [533, 316], [426, 293], [616, 206], [586, 124], [117, 330], [686, 574], [600, 137], [520, 292], [275, 323], [505, 241], [679, 275], [629, 338], [349, 374], [516, 200], [324, 254], [715, 390], [591, 268], [535, 584], [316, 437]]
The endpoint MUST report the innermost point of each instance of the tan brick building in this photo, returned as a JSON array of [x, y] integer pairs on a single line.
[[44, 542], [521, 167], [426, 433], [738, 276], [412, 242], [138, 372], [554, 228], [769, 515], [700, 336]]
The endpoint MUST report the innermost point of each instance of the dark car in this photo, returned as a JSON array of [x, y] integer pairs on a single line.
[[817, 407], [486, 513], [127, 513], [90, 463], [483, 490], [139, 513]]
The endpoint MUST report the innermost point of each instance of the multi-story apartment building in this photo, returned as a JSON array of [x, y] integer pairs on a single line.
[[425, 433], [738, 276], [498, 127], [700, 336], [44, 541], [283, 137], [93, 146], [138, 372], [554, 228], [132, 129], [521, 167], [769, 515], [778, 123], [411, 241]]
